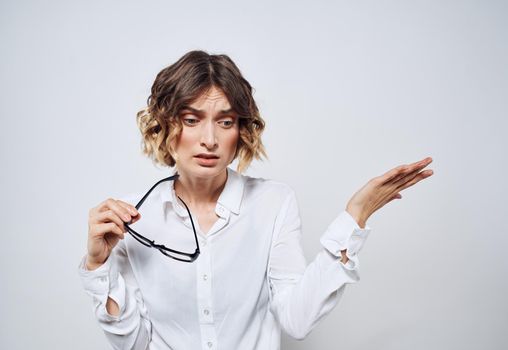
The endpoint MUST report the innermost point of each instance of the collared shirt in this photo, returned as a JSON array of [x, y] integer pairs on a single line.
[[250, 281]]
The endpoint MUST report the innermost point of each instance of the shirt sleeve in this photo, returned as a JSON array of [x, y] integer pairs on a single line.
[[300, 294], [131, 329]]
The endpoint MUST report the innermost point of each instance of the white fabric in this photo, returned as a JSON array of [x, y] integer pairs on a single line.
[[250, 281]]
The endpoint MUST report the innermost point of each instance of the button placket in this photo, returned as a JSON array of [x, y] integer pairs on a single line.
[[204, 290], [209, 339], [204, 297]]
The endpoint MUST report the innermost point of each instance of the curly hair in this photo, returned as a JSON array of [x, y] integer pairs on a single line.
[[178, 85]]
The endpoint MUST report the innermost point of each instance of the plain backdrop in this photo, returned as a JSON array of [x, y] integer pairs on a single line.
[[348, 90]]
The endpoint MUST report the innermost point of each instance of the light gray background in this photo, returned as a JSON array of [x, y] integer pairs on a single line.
[[348, 90]]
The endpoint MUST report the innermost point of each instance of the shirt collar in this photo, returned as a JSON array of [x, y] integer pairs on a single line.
[[230, 197]]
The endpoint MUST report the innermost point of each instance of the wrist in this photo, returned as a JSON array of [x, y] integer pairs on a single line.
[[344, 258], [358, 216], [91, 265]]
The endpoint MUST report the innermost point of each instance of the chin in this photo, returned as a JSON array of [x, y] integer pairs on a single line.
[[206, 172]]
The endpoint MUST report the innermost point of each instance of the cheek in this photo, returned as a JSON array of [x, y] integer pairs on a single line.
[[184, 139], [233, 141]]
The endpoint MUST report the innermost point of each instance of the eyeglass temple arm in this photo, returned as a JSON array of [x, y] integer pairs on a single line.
[[151, 189], [193, 227]]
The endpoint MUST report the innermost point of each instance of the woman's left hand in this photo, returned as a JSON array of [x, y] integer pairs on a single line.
[[385, 188]]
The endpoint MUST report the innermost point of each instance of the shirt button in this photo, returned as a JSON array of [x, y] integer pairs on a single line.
[[206, 312], [205, 277], [103, 279], [204, 243], [210, 344]]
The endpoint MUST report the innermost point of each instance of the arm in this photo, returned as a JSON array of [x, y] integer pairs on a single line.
[[113, 284], [301, 295]]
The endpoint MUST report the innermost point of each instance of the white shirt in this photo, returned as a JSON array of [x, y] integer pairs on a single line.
[[250, 281]]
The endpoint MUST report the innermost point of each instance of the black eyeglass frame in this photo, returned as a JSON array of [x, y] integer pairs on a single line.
[[163, 249]]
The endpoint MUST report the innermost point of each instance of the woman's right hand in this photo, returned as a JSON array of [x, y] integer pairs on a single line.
[[106, 228]]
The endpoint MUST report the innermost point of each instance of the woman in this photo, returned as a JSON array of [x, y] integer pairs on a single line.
[[247, 278]]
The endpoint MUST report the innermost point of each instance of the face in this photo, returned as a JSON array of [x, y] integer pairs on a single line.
[[209, 137]]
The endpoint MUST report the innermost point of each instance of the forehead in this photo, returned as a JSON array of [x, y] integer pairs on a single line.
[[212, 97]]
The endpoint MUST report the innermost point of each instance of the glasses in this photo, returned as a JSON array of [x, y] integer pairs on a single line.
[[175, 254]]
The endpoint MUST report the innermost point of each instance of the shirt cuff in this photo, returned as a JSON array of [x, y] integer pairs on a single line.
[[103, 282], [345, 233]]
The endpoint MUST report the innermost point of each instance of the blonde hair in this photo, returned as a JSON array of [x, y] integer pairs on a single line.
[[178, 85]]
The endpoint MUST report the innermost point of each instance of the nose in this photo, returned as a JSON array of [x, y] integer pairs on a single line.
[[208, 136]]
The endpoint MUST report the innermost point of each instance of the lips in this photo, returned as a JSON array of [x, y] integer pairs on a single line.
[[207, 160], [206, 156]]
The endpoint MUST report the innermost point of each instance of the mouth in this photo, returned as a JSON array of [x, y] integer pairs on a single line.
[[206, 156], [206, 160]]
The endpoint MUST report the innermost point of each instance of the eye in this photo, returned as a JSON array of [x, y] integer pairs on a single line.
[[227, 122], [190, 121]]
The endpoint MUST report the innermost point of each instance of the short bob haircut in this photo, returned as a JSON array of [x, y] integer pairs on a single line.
[[178, 85]]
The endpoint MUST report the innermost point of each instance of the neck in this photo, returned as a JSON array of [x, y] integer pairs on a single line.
[[197, 192]]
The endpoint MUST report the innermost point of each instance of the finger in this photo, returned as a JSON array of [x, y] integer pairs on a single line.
[[118, 209], [397, 196], [418, 177], [407, 177], [134, 220], [398, 173], [99, 230], [103, 206], [131, 209], [393, 173], [108, 216], [417, 166], [97, 209], [401, 171], [394, 196], [412, 170]]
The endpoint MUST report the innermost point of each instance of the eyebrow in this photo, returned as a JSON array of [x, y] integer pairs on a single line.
[[201, 112]]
